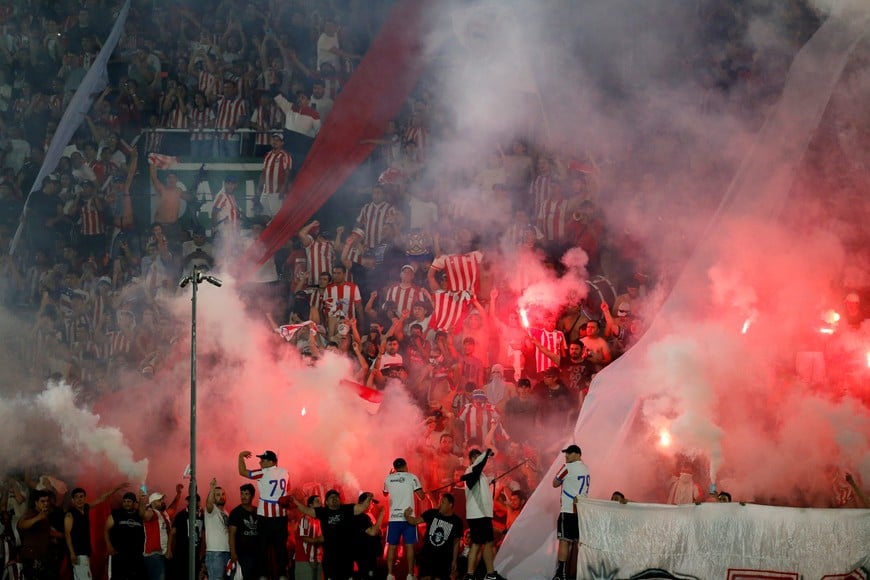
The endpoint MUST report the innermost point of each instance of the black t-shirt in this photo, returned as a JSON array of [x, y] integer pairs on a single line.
[[337, 525], [180, 523], [441, 531], [81, 531], [575, 374], [247, 533], [128, 533], [366, 546]]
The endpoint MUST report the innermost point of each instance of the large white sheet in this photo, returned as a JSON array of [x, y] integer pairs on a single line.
[[715, 540]]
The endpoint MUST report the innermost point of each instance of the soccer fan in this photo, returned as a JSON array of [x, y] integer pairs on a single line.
[[374, 215], [77, 531], [231, 114], [157, 521], [217, 543], [244, 534], [440, 552], [405, 294], [275, 176], [337, 525], [273, 483], [309, 544], [319, 251], [124, 535], [573, 478], [401, 486], [343, 299], [479, 512]]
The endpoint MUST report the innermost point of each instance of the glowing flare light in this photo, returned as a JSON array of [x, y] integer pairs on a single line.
[[746, 324], [524, 318], [665, 438], [303, 412]]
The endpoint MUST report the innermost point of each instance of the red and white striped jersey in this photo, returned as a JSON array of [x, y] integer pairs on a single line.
[[317, 300], [153, 141], [553, 216], [272, 483], [307, 529], [341, 298], [320, 256], [229, 113], [226, 208], [91, 219], [208, 84], [463, 270], [478, 420], [118, 343], [276, 166], [175, 119], [98, 309], [448, 308], [539, 191], [554, 341], [270, 117], [405, 297], [418, 136], [200, 119], [372, 218]]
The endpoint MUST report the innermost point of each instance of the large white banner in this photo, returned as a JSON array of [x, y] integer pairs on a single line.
[[726, 541], [94, 82]]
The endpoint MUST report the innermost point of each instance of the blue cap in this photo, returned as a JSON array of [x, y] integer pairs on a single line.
[[230, 179]]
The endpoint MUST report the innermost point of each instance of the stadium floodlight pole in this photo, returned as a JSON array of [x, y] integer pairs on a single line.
[[195, 278]]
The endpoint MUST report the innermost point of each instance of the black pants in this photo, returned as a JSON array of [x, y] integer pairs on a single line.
[[273, 538]]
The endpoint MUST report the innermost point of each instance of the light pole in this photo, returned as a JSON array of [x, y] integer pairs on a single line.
[[195, 278]]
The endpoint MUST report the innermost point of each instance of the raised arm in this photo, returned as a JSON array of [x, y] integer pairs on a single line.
[[243, 469]]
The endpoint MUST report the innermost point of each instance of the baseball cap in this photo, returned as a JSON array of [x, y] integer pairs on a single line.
[[155, 496], [129, 495], [268, 455], [572, 449], [278, 135], [409, 267], [478, 394], [230, 179]]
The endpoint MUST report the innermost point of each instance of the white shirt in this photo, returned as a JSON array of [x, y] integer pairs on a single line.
[[217, 536], [575, 481], [478, 498], [400, 486]]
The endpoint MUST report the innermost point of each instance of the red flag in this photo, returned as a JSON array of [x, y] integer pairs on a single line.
[[373, 95]]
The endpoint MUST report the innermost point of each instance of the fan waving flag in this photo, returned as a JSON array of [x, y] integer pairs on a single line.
[[373, 96]]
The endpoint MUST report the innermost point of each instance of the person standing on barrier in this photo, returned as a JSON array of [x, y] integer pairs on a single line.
[[273, 483], [573, 478]]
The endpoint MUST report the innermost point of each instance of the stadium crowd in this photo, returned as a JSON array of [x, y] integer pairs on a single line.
[[408, 285]]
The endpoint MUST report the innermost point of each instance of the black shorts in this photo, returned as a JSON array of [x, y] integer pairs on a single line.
[[433, 565], [567, 528], [481, 530]]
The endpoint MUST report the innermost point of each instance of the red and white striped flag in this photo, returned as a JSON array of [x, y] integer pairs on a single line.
[[448, 308], [371, 397], [162, 161], [288, 331]]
